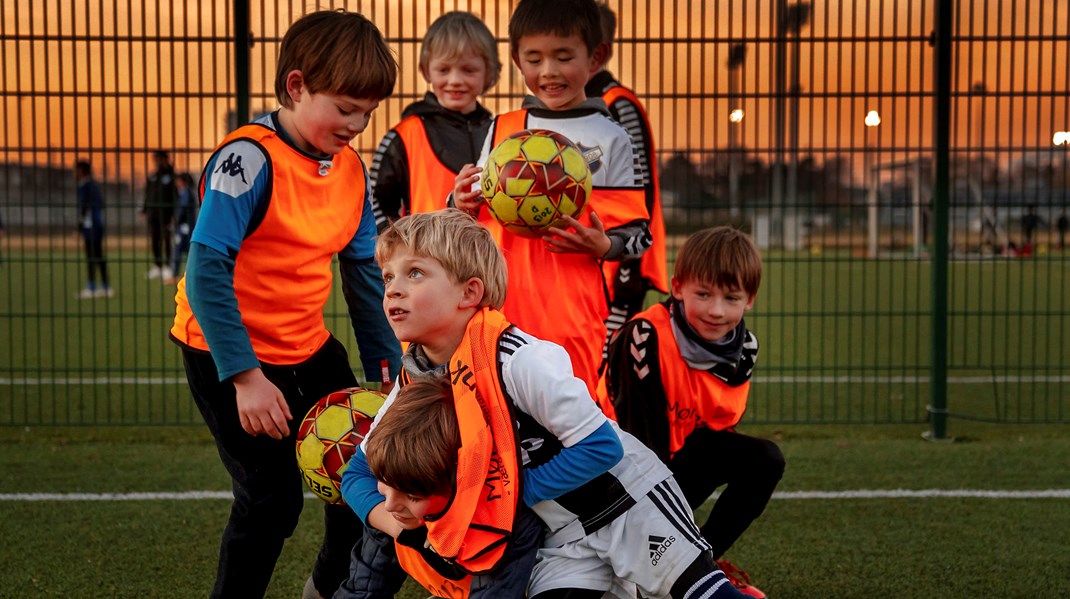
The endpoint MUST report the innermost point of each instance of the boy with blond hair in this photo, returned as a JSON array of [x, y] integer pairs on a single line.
[[678, 376], [557, 289], [531, 437], [417, 161], [281, 197]]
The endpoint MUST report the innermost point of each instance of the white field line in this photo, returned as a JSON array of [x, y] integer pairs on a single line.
[[823, 380], [852, 494]]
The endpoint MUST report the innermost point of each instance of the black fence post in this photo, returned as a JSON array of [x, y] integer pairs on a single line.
[[940, 197], [242, 42]]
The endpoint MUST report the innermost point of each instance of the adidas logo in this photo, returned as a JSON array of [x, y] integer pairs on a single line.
[[658, 547]]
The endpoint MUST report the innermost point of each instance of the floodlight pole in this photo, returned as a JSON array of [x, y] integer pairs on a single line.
[[941, 170]]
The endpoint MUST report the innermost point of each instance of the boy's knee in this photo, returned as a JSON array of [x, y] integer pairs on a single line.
[[773, 458]]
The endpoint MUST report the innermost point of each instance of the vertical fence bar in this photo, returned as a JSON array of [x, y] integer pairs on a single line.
[[242, 43], [941, 142]]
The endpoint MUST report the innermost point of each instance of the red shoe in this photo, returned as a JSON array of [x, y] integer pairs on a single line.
[[739, 579]]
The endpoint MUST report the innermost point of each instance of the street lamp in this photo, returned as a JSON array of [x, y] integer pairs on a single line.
[[872, 120], [736, 116], [1059, 138]]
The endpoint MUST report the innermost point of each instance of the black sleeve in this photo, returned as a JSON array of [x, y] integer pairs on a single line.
[[633, 379], [389, 175], [629, 240], [631, 118]]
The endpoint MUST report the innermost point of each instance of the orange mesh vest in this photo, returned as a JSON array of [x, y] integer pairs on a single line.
[[562, 297], [474, 531], [695, 397], [653, 263], [282, 274], [430, 181]]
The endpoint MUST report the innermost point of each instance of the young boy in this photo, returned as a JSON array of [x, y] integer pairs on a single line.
[[632, 278], [281, 197], [678, 375], [556, 284], [416, 163], [611, 509], [418, 457]]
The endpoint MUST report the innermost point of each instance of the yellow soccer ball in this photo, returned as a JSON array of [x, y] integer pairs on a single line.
[[329, 436], [532, 178]]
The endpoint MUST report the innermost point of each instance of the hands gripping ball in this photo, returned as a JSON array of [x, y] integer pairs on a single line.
[[329, 436], [532, 178]]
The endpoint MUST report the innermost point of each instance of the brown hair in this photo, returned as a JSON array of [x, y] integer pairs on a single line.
[[720, 256], [456, 33], [558, 17], [413, 448], [337, 52], [464, 247], [609, 22]]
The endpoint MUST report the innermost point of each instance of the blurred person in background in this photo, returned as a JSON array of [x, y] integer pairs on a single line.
[[159, 211], [91, 225]]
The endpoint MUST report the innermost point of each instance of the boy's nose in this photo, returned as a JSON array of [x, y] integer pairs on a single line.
[[391, 503], [717, 308]]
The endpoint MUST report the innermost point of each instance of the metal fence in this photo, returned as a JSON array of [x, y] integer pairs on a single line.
[[843, 135]]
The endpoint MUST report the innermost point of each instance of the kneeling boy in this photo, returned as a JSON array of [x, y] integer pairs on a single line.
[[611, 508], [678, 377]]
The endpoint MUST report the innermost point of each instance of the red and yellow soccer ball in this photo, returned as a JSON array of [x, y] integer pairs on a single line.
[[532, 178], [329, 436]]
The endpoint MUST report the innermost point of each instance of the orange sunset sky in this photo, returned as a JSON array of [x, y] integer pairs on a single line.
[[119, 77]]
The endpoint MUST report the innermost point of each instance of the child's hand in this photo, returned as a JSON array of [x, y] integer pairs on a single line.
[[584, 240], [465, 196], [262, 408]]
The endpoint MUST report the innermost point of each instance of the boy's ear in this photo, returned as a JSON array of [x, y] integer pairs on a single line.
[[674, 288], [599, 57], [606, 50], [750, 302], [295, 84], [473, 293]]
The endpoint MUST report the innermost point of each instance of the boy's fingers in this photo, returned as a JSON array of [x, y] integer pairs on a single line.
[[285, 406], [597, 222], [246, 424], [278, 428], [570, 221]]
